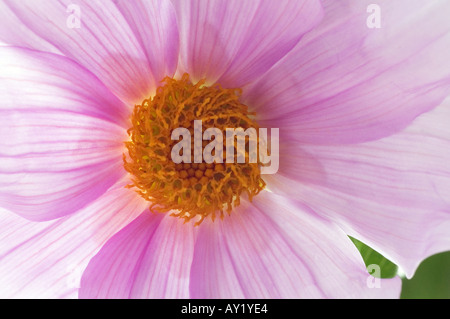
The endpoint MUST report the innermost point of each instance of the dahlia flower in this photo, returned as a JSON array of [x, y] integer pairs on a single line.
[[93, 208]]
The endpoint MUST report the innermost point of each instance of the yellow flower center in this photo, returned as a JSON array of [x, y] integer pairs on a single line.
[[197, 189]]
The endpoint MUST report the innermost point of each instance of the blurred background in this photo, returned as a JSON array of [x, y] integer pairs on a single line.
[[431, 280]]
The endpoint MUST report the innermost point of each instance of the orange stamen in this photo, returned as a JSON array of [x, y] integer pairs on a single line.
[[188, 190]]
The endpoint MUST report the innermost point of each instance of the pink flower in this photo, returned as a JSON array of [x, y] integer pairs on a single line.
[[365, 146]]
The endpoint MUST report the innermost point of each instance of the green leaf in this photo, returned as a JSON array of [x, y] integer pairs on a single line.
[[371, 257], [431, 281]]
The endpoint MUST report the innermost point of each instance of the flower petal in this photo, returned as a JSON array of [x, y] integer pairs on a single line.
[[155, 27], [150, 258], [13, 31], [233, 42], [392, 194], [47, 259], [104, 43], [278, 249], [347, 83], [62, 135]]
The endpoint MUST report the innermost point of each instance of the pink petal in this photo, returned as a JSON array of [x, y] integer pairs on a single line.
[[233, 42], [62, 135], [346, 83], [20, 35], [278, 249], [105, 43], [155, 27], [47, 259], [150, 258], [392, 194]]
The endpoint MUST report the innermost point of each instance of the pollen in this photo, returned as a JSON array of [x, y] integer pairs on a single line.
[[194, 190]]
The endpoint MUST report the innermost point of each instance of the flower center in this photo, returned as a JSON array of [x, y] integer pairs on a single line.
[[195, 188]]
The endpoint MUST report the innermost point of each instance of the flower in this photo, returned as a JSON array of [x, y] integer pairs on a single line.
[[363, 146]]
